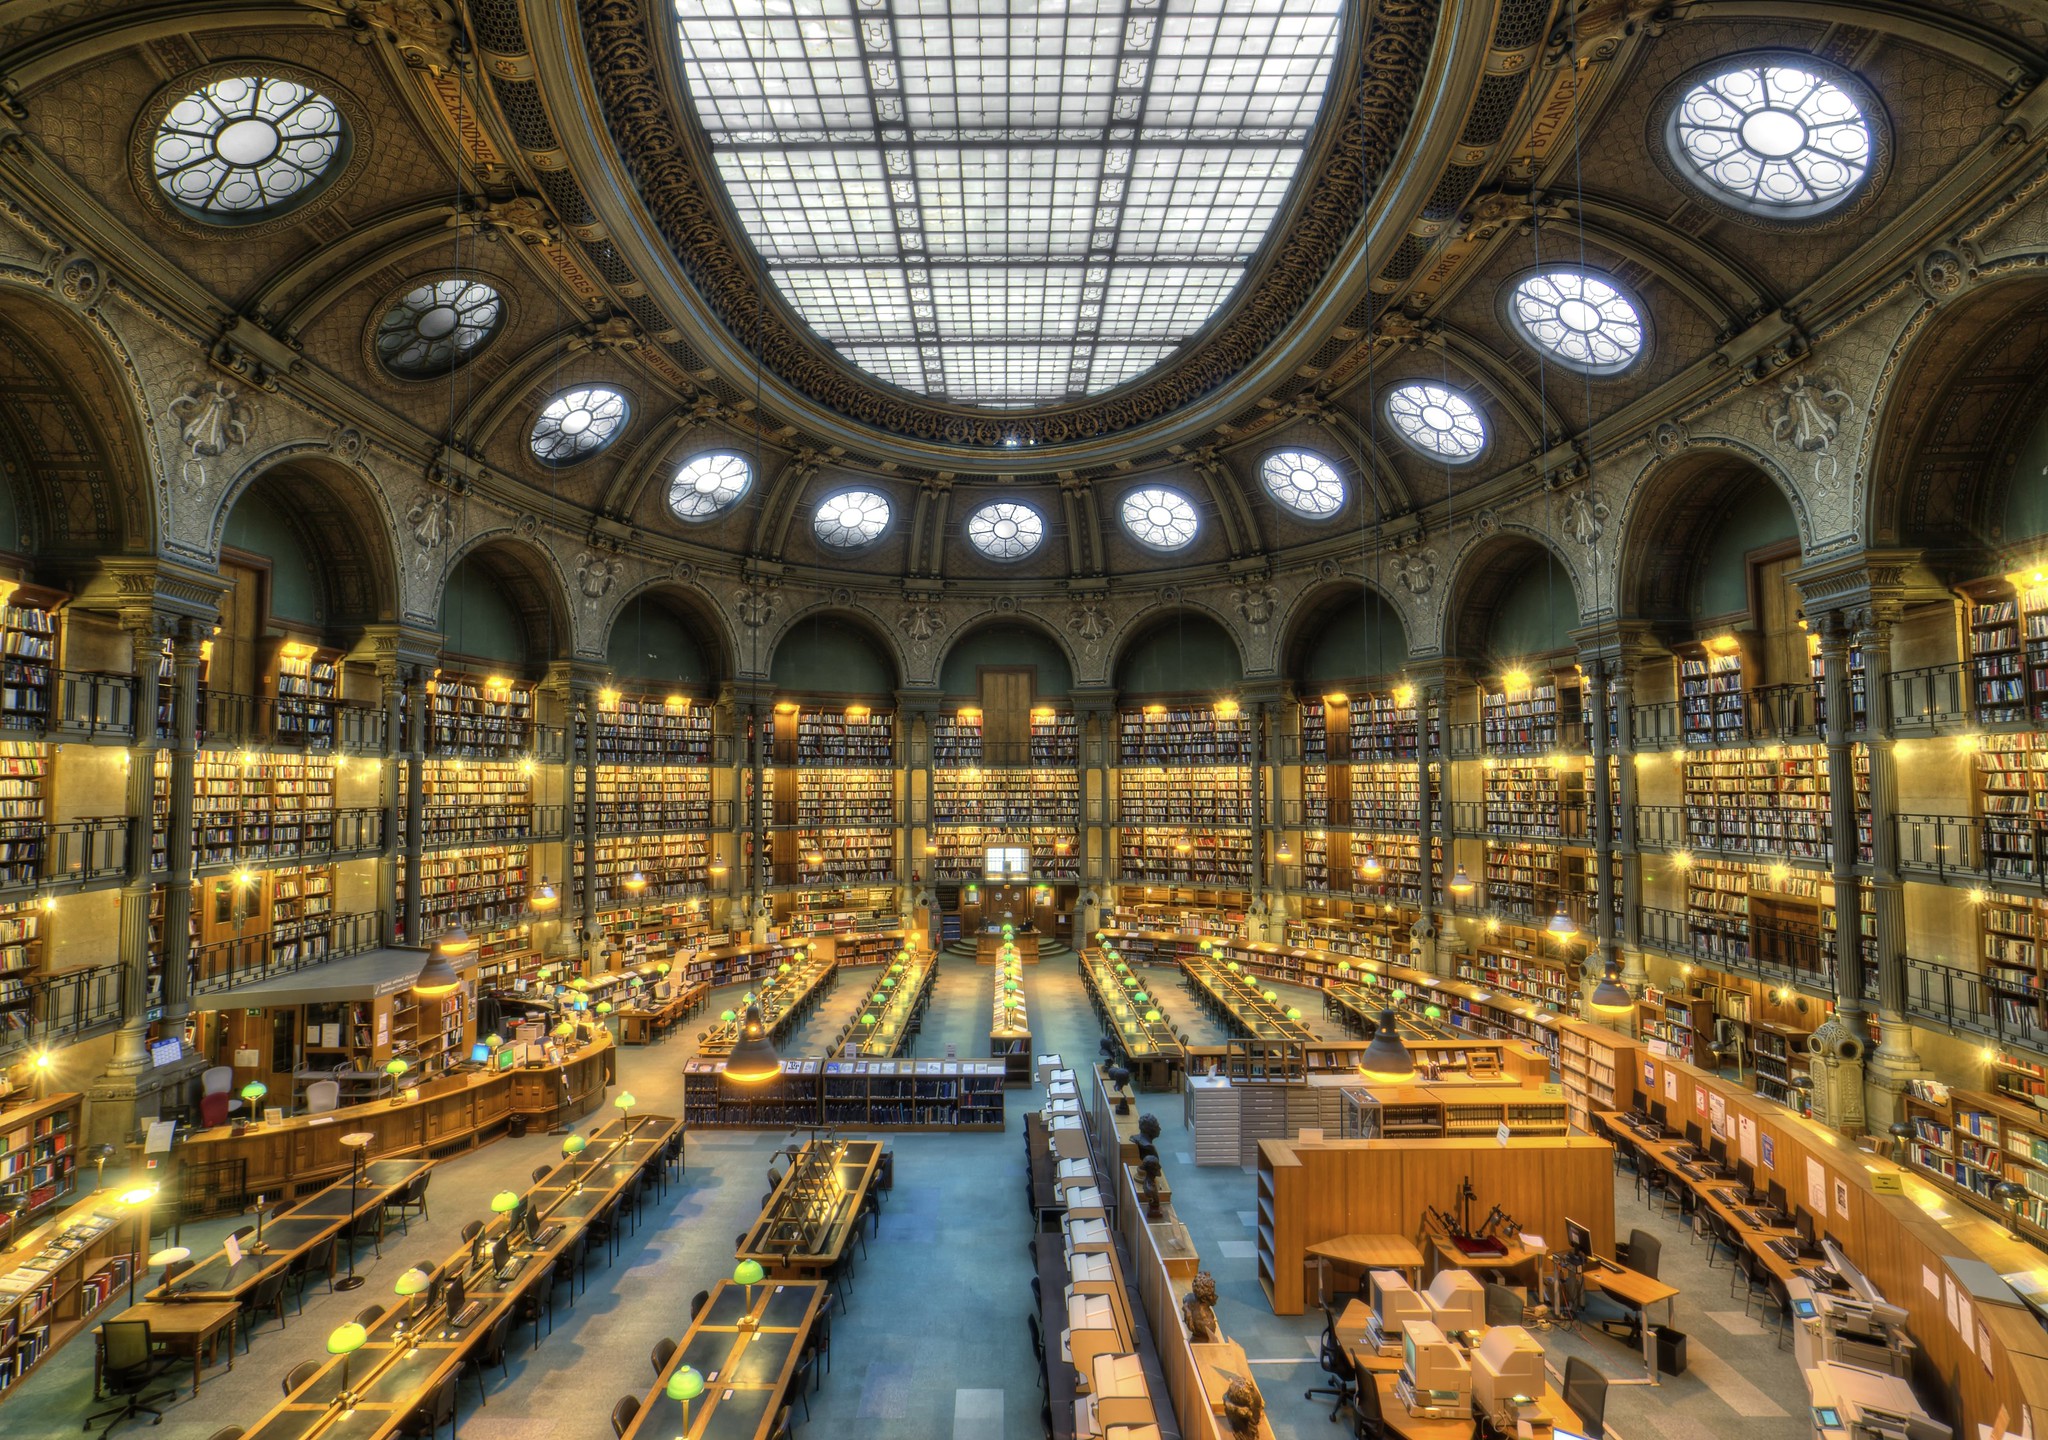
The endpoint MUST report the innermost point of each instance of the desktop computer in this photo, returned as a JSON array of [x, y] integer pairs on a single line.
[[1457, 1302], [1395, 1306], [1435, 1381], [1507, 1363]]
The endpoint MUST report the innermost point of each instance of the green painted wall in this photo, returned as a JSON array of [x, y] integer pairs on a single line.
[[1010, 646], [652, 642], [2026, 503], [259, 527], [827, 656], [1763, 517], [1537, 612], [477, 619], [10, 518], [1188, 653], [1355, 642]]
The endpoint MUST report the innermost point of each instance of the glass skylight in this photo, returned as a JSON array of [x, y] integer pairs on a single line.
[[578, 423], [437, 324], [850, 518], [247, 146], [1160, 518], [1775, 140], [709, 484], [1005, 530], [1437, 420], [1002, 204], [1303, 482], [1579, 318]]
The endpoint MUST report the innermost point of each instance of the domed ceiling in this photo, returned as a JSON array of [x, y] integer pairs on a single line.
[[1002, 205]]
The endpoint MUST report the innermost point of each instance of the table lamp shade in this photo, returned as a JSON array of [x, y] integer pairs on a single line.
[[573, 1144], [625, 1100], [564, 1030], [888, 982], [504, 1202], [494, 1041], [685, 1384], [753, 1057], [747, 1272], [170, 1256], [395, 1068], [413, 1281], [346, 1340], [1269, 996], [728, 1016], [255, 1090], [867, 1017], [141, 1195], [1152, 1017], [783, 968], [604, 1007], [1293, 1013]]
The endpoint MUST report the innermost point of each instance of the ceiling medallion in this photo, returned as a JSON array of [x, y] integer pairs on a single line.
[[649, 127]]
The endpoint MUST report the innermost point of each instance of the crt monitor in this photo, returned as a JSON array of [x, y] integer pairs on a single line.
[[508, 1057], [1578, 1239], [1395, 1304], [1775, 1194], [480, 1053]]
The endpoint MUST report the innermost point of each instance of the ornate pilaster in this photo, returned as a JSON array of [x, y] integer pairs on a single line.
[[1602, 799], [404, 658], [1895, 1057], [1613, 657], [1835, 636], [131, 1049], [418, 730], [187, 654]]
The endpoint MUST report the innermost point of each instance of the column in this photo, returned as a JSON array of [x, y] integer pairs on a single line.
[[177, 971], [390, 873], [1625, 818], [1834, 653], [131, 1049], [583, 821], [417, 714], [1430, 692], [1260, 711], [758, 740], [1600, 798], [1895, 1038]]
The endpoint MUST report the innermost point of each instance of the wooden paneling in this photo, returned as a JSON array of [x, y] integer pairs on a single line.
[[1379, 1187]]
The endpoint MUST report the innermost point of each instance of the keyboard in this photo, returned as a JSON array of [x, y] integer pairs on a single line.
[[466, 1315], [549, 1233], [512, 1268], [1750, 1218]]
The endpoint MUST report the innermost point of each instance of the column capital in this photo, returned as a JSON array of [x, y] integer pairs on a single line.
[[1624, 648], [143, 585], [1870, 580], [395, 649]]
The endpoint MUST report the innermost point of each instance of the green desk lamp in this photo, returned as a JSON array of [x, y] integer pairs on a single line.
[[412, 1284], [685, 1385], [626, 1102], [252, 1094], [749, 1274], [345, 1342], [572, 1146], [394, 1067]]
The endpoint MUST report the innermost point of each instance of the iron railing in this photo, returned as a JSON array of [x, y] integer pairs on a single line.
[[93, 705], [1778, 953], [238, 960], [71, 1005]]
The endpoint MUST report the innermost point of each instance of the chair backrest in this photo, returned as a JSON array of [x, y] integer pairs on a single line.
[[125, 1345], [1503, 1306], [216, 1080], [1333, 1357], [470, 1231], [623, 1413], [1585, 1390], [698, 1302], [299, 1374], [244, 1232], [1644, 1252], [213, 1108], [371, 1315], [664, 1351], [322, 1096], [502, 1327], [267, 1290], [541, 1172]]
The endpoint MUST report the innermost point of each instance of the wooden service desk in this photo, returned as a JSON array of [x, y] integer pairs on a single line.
[[1371, 1252], [810, 1217], [312, 1222], [988, 949], [1517, 1259], [412, 1349], [454, 1112], [643, 1026], [747, 1372]]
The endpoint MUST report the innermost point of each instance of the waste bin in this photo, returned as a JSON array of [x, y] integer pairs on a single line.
[[516, 1127], [1670, 1349]]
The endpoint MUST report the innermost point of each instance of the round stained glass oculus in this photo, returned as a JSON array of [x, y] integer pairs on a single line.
[[1304, 482], [438, 324], [1160, 518], [850, 519], [1437, 420], [578, 423], [709, 484], [1778, 140], [1580, 318], [1005, 530], [245, 147]]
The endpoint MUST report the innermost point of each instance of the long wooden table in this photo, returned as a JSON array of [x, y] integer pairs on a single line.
[[1154, 1052], [638, 1026], [893, 1000], [1717, 1195], [808, 1220], [747, 1372], [780, 999], [309, 1224], [194, 1329], [410, 1352], [1241, 996]]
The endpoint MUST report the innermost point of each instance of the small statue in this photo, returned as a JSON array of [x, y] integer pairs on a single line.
[[1243, 1407], [1148, 1186], [1148, 1126], [1198, 1311]]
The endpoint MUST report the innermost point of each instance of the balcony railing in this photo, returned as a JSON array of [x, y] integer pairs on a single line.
[[1786, 953], [1961, 1001], [224, 964], [1930, 699], [92, 705], [655, 818], [1939, 846], [71, 1005], [1562, 822], [1679, 827], [1656, 725], [67, 854]]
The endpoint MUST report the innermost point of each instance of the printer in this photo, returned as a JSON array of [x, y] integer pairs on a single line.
[[1435, 1381], [1091, 1331], [1508, 1362]]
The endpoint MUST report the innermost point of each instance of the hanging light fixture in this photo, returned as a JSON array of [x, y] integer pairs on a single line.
[[1369, 867], [1610, 996], [753, 1058], [1461, 883], [437, 977], [544, 899], [635, 882], [1387, 1061], [1561, 924]]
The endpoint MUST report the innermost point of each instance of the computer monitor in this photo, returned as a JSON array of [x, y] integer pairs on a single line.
[[1394, 1303], [500, 1253], [1693, 1136], [507, 1058], [1658, 1112], [1432, 1365], [1745, 1175], [1457, 1302], [1718, 1148], [1578, 1239], [476, 1247], [1802, 1222], [480, 1053], [1775, 1194], [458, 1295]]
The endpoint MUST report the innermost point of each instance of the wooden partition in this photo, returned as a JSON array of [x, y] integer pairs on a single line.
[[1314, 1192]]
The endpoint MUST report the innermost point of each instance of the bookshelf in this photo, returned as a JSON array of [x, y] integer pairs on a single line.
[[632, 800], [637, 730], [1429, 1112], [301, 915], [482, 890], [2008, 649], [960, 852], [1598, 1067], [1184, 795], [2019, 1079], [1967, 1141], [671, 864], [2010, 929], [470, 802], [21, 959], [1518, 965], [1780, 916], [1776, 1054], [28, 653], [53, 1292], [1859, 698], [479, 717], [1536, 799], [39, 1155], [1054, 740], [1769, 801], [24, 776], [1526, 718], [307, 685], [1710, 687], [2012, 792]]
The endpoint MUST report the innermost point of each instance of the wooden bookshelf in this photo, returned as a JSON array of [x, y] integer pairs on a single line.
[[671, 865], [651, 730], [2010, 929], [1777, 1054], [24, 810], [475, 802], [1712, 706], [1967, 1141], [21, 960], [1525, 719], [1769, 801], [28, 657], [1541, 799], [482, 890], [1452, 1112], [306, 686], [52, 1289], [2008, 649], [1523, 965], [39, 1154], [479, 717], [1598, 1067]]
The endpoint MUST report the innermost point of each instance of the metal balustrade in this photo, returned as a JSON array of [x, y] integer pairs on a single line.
[[237, 960], [93, 705], [1798, 955], [70, 1005], [1930, 699]]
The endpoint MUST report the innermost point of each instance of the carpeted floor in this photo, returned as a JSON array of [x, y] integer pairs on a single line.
[[934, 1343]]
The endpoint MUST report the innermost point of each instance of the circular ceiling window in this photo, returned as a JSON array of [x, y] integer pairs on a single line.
[[576, 424], [1005, 530], [709, 484], [850, 519], [1437, 420], [1160, 518], [1304, 482], [1577, 317], [1776, 138], [244, 148], [435, 326]]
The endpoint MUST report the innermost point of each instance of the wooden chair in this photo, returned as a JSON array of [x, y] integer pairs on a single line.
[[663, 1352], [624, 1413]]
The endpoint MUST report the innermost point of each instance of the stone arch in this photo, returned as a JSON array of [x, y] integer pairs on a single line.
[[852, 615], [1965, 380], [1674, 502], [528, 575], [1481, 575], [341, 516], [1152, 622], [691, 603], [1022, 619], [1316, 607], [74, 430]]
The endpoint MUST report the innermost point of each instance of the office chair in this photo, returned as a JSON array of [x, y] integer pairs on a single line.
[[1372, 1424], [370, 1315], [1585, 1390], [1641, 1253], [698, 1302], [130, 1365], [541, 1172], [1336, 1363], [495, 1350], [470, 1231], [438, 1409], [623, 1413]]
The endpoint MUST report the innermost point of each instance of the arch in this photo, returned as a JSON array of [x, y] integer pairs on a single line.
[[833, 650], [668, 616], [1181, 650], [74, 435], [1011, 639], [338, 521], [1677, 502], [1343, 630], [523, 576], [1487, 577], [1971, 386]]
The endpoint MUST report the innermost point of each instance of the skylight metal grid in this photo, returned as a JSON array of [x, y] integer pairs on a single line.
[[1000, 203]]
